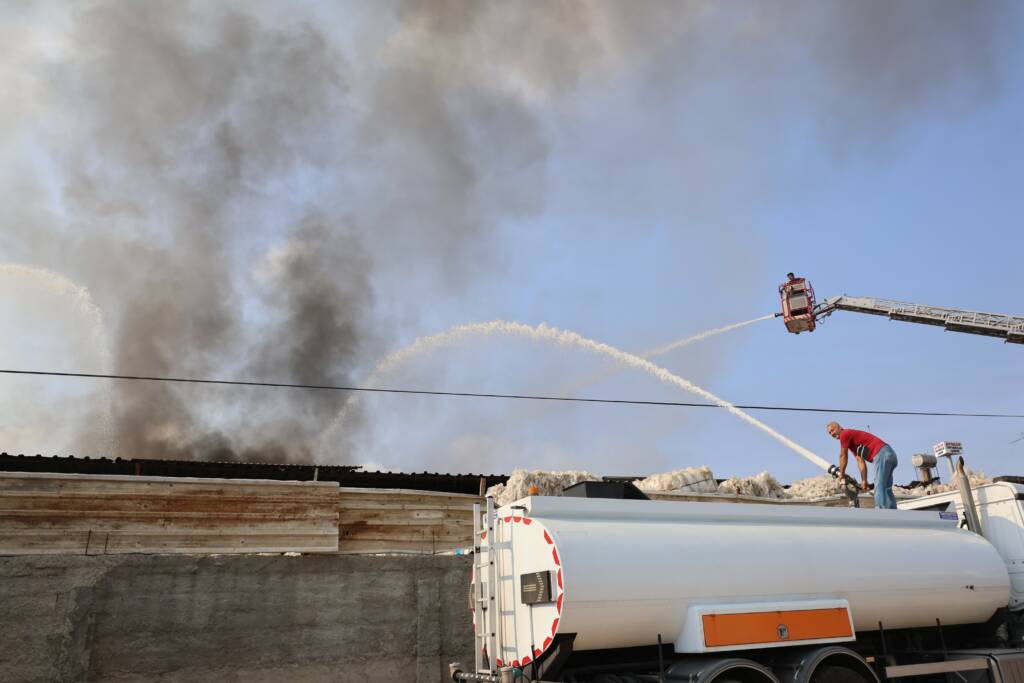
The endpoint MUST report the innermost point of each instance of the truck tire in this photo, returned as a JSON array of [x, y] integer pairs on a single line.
[[837, 674]]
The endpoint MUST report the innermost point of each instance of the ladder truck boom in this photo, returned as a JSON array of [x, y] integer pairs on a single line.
[[801, 313], [1008, 327]]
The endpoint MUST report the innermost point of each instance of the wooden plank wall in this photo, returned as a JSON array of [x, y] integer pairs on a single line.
[[399, 520], [98, 514]]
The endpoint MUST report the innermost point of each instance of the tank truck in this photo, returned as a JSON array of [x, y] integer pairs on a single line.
[[591, 588]]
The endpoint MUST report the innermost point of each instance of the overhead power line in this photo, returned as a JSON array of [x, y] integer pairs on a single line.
[[521, 397]]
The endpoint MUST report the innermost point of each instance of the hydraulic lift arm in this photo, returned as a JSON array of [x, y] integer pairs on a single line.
[[1007, 327], [801, 312]]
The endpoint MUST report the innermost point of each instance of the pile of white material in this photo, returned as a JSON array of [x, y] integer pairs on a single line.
[[825, 485], [689, 479], [701, 480], [763, 485], [547, 483], [977, 478], [822, 486]]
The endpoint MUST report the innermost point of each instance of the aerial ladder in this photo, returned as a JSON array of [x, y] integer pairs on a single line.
[[801, 313]]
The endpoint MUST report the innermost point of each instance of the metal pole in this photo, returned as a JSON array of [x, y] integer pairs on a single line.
[[478, 593], [493, 651], [885, 654], [952, 470], [661, 662], [942, 639], [963, 483]]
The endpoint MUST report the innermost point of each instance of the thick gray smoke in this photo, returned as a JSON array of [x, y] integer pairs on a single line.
[[231, 179], [190, 117], [249, 188]]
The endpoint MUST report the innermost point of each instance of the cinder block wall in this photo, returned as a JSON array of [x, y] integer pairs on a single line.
[[398, 619]]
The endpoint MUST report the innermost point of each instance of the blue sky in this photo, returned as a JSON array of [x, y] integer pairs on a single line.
[[663, 187], [923, 208]]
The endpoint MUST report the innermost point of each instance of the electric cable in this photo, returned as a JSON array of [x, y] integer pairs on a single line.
[[523, 397]]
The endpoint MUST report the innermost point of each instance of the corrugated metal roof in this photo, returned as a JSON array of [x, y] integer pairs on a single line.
[[346, 475]]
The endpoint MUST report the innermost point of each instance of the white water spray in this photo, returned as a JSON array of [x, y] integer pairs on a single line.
[[78, 296], [82, 303], [659, 350], [679, 343], [459, 331], [568, 338]]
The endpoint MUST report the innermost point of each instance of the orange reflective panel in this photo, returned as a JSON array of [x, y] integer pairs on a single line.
[[749, 628]]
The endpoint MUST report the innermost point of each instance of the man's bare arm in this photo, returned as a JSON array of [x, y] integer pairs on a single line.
[[842, 462], [863, 467]]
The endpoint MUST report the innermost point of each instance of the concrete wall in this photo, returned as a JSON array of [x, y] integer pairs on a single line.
[[398, 619]]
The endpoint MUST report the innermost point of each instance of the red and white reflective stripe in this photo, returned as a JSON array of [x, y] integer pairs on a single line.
[[537, 652]]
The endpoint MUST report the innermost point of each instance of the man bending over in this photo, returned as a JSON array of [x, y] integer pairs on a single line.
[[867, 447]]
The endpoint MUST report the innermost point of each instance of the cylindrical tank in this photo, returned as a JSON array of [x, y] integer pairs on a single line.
[[619, 573]]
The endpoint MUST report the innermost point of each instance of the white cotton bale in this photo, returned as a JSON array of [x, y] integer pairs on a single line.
[[700, 479], [977, 478], [821, 486], [547, 483], [762, 485], [689, 479]]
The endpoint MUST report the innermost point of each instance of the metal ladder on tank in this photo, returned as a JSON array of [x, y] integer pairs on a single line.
[[486, 634]]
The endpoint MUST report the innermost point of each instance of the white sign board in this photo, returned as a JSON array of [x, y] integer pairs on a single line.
[[948, 448]]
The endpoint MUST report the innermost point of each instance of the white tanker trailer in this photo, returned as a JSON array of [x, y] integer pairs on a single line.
[[614, 590]]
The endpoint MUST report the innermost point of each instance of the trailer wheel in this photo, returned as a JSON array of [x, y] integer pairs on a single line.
[[837, 674]]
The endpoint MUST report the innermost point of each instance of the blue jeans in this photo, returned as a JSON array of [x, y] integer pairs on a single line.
[[885, 463]]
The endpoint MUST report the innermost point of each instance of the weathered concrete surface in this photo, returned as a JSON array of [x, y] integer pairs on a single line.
[[398, 619]]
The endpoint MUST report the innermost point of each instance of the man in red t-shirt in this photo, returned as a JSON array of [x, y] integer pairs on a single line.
[[867, 447]]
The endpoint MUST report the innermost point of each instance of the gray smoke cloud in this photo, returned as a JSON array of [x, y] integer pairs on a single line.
[[192, 115], [242, 186]]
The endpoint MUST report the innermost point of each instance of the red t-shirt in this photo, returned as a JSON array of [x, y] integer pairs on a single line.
[[864, 444]]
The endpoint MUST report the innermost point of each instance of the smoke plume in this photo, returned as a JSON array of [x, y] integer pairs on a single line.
[[273, 193]]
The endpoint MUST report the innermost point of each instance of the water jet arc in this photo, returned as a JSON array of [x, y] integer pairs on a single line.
[[561, 337]]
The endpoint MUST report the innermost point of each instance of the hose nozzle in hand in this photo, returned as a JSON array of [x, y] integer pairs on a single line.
[[848, 484]]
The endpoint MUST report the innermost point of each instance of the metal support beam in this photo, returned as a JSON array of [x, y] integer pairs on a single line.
[[951, 666], [1007, 327]]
